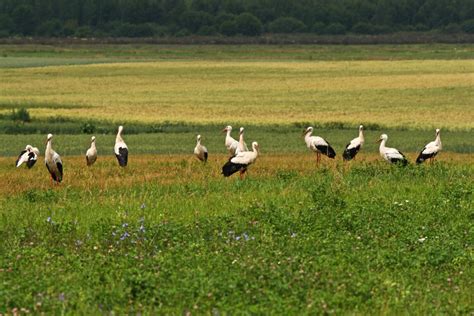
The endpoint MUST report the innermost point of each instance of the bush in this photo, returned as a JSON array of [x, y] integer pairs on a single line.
[[468, 26], [21, 115], [84, 31], [134, 30], [228, 28], [318, 28], [207, 30], [363, 28], [421, 27], [194, 20], [452, 28], [287, 25], [335, 29], [51, 28], [248, 24], [6, 24], [88, 128], [69, 27]]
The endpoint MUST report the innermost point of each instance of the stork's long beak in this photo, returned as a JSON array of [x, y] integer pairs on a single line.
[[379, 140], [304, 132], [224, 130]]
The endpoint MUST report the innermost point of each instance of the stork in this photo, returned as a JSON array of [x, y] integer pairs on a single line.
[[121, 149], [242, 145], [391, 155], [29, 155], [200, 151], [91, 154], [354, 146], [230, 143], [431, 149], [241, 162], [318, 144], [53, 161]]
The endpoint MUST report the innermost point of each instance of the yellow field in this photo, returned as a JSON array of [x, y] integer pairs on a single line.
[[421, 93], [169, 169]]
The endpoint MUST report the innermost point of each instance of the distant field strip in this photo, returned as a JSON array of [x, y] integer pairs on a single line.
[[405, 93]]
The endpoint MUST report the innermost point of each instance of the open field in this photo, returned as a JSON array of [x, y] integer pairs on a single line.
[[393, 93], [169, 235], [370, 238]]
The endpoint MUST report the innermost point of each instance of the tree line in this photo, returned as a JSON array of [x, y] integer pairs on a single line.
[[147, 18]]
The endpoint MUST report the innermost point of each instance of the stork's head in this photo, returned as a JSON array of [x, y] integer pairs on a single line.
[[93, 139], [309, 129], [241, 130], [226, 129], [198, 137], [120, 129], [361, 127], [28, 147], [438, 131], [383, 137], [255, 146], [50, 136]]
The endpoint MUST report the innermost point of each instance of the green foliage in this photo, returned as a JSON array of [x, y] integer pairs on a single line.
[[286, 25], [468, 26], [248, 24], [21, 115], [368, 240], [206, 16], [335, 29]]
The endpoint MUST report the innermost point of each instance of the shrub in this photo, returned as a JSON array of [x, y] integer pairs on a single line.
[[83, 31], [287, 25], [6, 24], [335, 29], [88, 128], [50, 28], [468, 26], [21, 115], [207, 30], [452, 28], [228, 28], [318, 28], [248, 24], [363, 28], [194, 20]]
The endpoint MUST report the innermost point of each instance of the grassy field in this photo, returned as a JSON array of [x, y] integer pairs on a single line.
[[250, 84], [369, 238], [169, 235]]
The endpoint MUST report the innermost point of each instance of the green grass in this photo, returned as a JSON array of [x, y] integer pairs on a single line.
[[26, 55], [169, 235], [373, 239], [182, 139]]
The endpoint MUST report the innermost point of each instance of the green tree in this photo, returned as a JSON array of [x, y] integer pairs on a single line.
[[286, 25], [248, 24]]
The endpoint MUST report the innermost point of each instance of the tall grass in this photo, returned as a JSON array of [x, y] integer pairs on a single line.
[[371, 238]]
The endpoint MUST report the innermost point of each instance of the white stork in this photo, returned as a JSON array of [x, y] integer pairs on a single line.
[[53, 161], [242, 145], [91, 154], [230, 143], [354, 146], [391, 155], [431, 149], [241, 162], [120, 148], [29, 155], [200, 151], [318, 145]]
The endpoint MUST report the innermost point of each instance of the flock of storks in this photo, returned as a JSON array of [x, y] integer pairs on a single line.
[[240, 156]]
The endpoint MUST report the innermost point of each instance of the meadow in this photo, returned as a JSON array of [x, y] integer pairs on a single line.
[[170, 235]]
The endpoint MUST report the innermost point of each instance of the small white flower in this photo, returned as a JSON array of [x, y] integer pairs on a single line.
[[422, 239]]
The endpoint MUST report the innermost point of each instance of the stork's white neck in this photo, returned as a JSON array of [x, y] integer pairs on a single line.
[[382, 145], [198, 142], [93, 144], [438, 139], [49, 149], [119, 139]]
